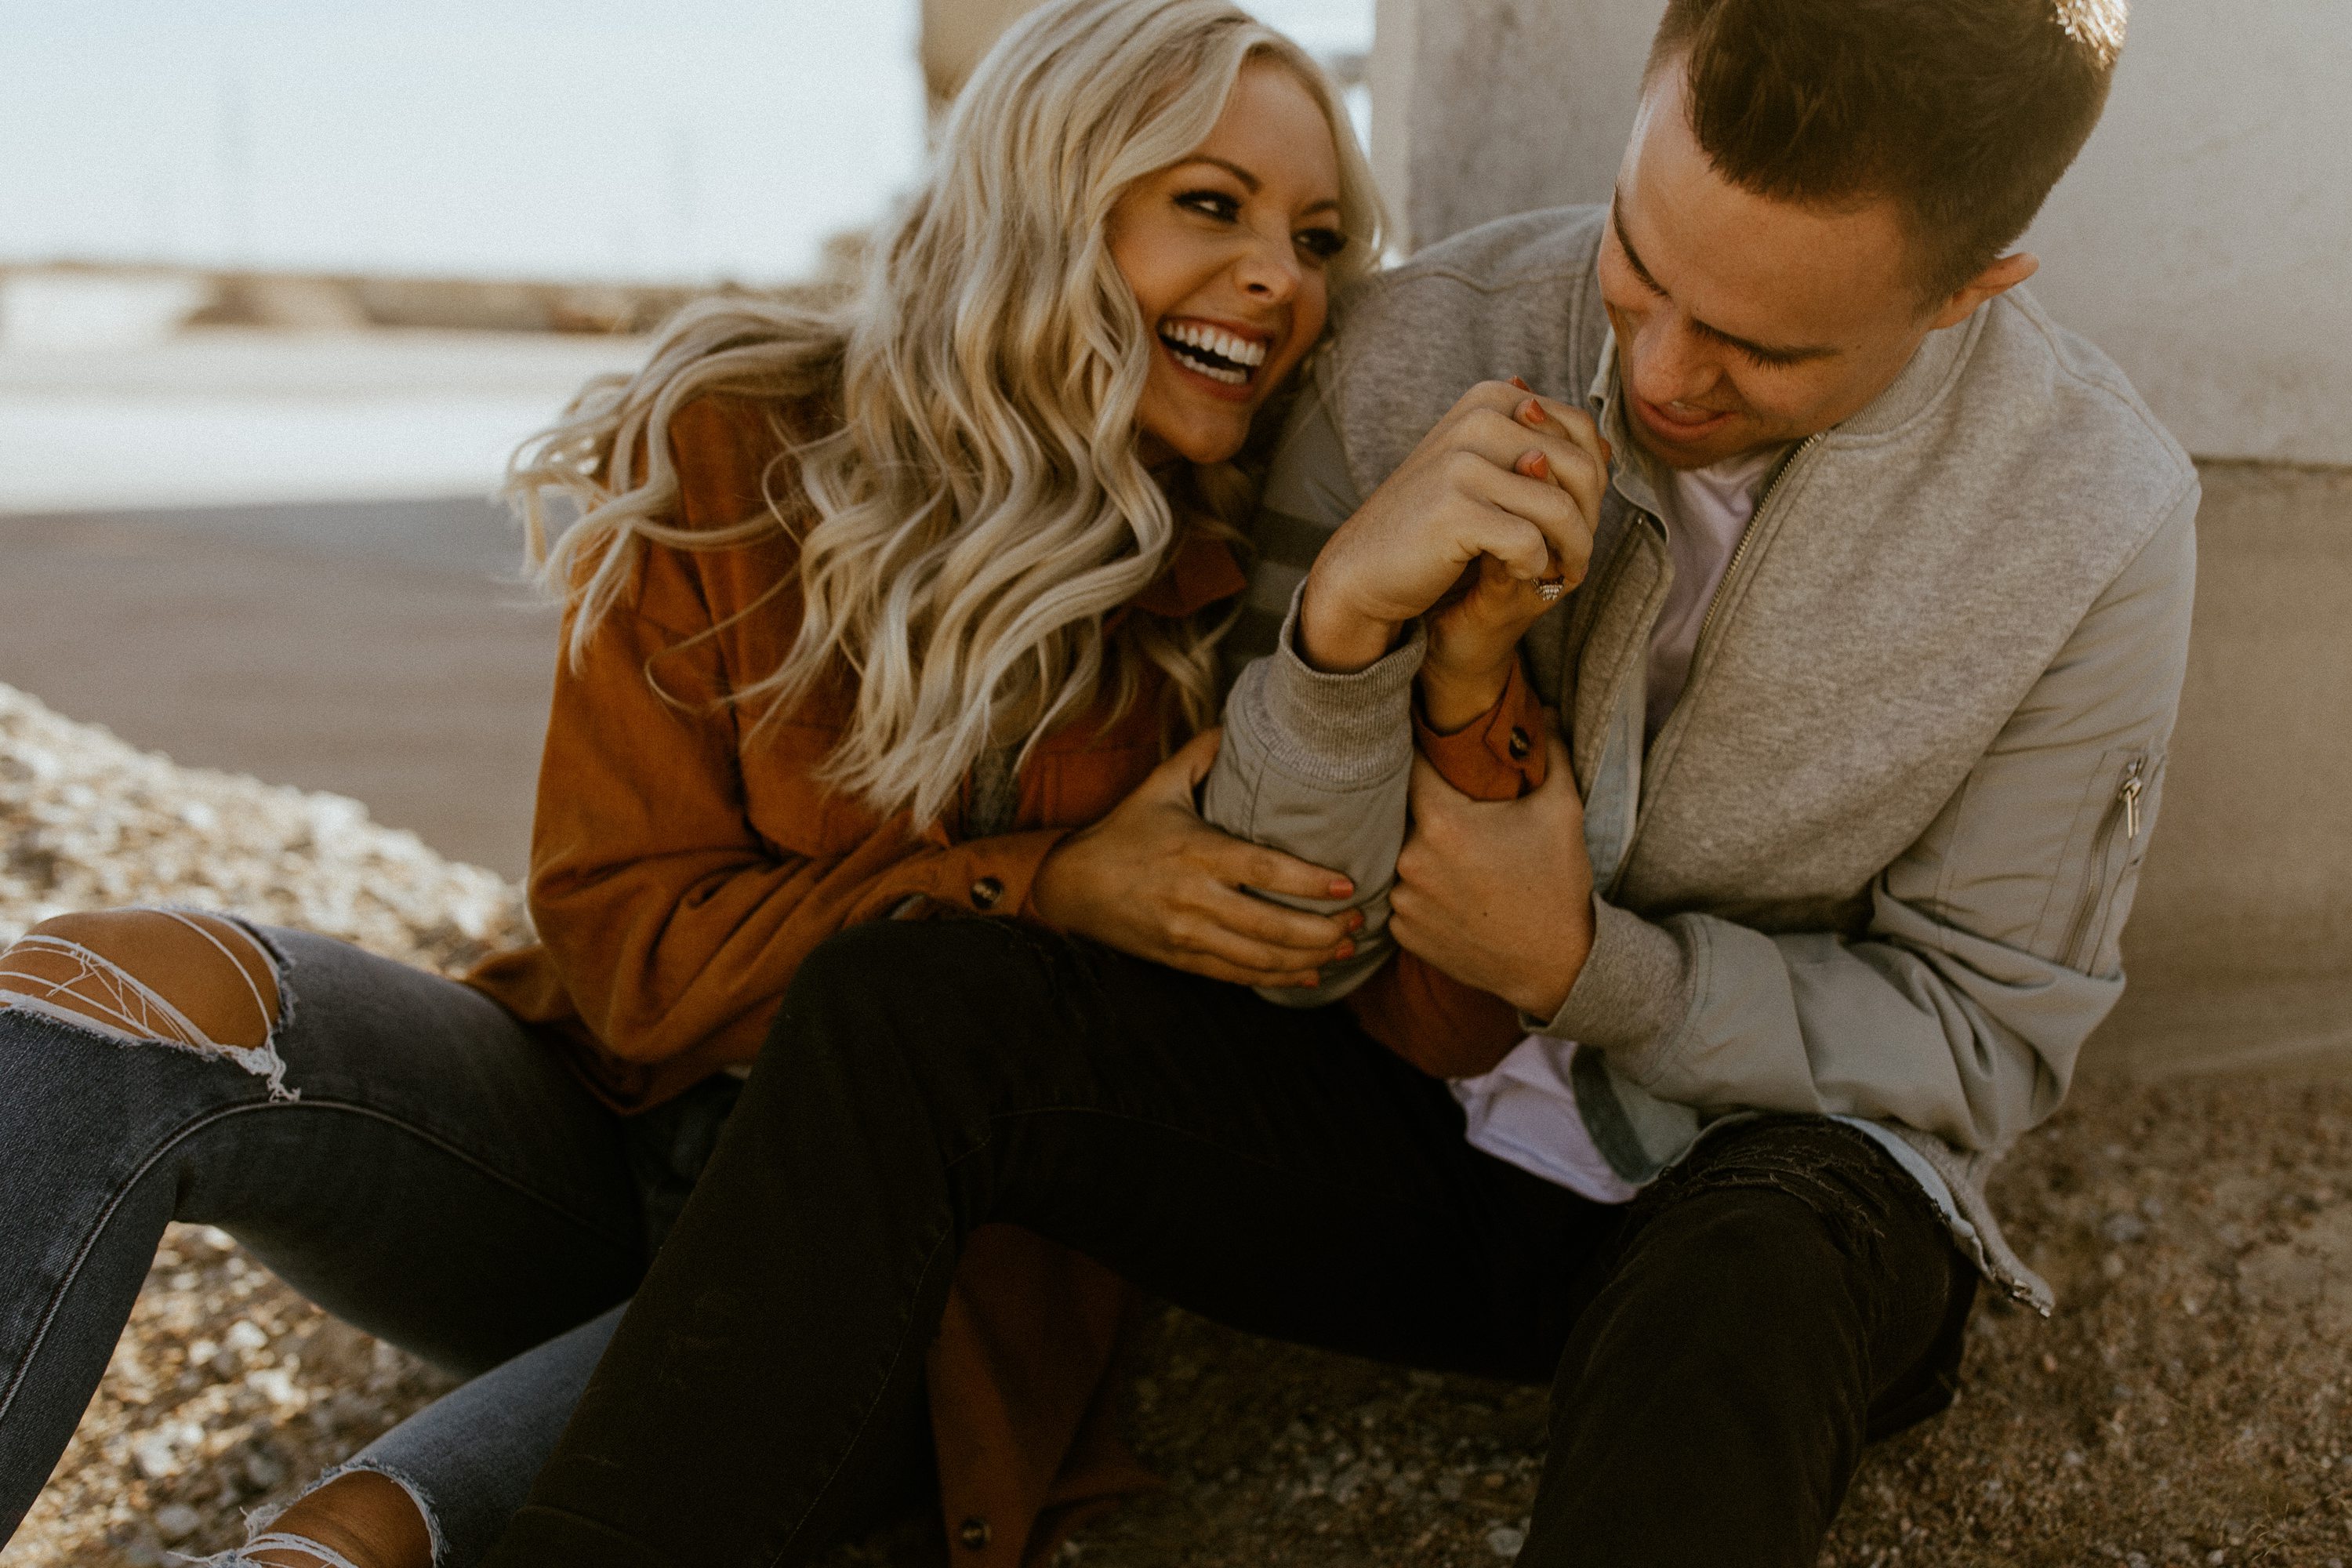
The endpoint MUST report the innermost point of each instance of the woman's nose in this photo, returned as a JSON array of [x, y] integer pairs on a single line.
[[1269, 272]]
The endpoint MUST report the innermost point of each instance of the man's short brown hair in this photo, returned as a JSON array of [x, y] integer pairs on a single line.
[[1963, 112]]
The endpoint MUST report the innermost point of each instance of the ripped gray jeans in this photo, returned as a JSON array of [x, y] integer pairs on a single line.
[[400, 1150]]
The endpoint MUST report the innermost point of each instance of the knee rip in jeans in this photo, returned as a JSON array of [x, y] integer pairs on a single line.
[[294, 1544], [199, 983]]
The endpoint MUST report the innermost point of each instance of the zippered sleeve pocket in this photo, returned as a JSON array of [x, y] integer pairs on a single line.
[[2119, 815]]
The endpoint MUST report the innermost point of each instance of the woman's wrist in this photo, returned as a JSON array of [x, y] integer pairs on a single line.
[[1453, 700]]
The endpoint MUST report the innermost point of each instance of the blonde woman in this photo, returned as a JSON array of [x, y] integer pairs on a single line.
[[868, 609]]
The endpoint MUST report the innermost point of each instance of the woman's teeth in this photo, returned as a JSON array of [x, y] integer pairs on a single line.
[[1212, 351]]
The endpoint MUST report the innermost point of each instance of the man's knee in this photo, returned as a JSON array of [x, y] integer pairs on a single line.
[[199, 981], [1788, 1247], [1737, 1266]]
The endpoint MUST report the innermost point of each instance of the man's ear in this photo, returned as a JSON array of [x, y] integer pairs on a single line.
[[1998, 279]]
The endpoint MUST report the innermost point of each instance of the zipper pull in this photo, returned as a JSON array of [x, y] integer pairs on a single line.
[[2133, 786]]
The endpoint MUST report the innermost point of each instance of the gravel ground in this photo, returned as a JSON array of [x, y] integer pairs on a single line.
[[2188, 1404]]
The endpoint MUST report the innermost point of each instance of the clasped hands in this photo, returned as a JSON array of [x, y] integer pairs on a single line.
[[1500, 497], [1503, 495]]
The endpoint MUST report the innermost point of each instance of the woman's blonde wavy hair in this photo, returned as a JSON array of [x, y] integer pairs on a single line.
[[977, 507]]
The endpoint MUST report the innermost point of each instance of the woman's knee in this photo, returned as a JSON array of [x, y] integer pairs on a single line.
[[201, 982], [194, 979]]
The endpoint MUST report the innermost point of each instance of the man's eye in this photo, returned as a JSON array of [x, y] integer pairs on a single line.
[[1323, 244], [1211, 204], [1761, 360]]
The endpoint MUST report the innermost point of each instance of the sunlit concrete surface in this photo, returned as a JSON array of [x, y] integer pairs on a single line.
[[225, 416]]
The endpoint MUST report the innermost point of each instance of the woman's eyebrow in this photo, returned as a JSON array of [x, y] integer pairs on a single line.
[[1250, 182]]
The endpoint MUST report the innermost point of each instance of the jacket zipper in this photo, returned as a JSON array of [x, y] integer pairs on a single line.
[[1740, 550], [1715, 605], [2122, 811]]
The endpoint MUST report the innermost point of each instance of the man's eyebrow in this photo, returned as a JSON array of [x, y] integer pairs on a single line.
[[1766, 352]]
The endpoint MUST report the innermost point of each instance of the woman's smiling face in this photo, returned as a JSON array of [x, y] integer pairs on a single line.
[[1226, 253]]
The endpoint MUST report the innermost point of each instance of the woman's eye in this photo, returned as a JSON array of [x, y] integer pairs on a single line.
[[1323, 244], [1211, 204]]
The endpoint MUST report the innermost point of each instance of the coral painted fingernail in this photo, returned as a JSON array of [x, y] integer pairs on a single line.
[[1521, 384], [1345, 949], [1341, 887], [1532, 411], [1534, 465]]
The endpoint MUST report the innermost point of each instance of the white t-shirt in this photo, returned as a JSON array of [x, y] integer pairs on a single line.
[[1525, 1112]]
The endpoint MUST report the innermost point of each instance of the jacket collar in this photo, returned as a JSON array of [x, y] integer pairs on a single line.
[[1201, 571]]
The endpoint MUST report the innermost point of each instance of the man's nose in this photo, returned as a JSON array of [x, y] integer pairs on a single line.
[[1675, 365]]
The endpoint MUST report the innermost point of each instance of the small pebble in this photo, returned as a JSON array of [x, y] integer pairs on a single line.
[[1505, 1541]]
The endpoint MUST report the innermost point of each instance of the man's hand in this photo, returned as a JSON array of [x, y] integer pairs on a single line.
[[1470, 490], [1498, 894], [1154, 880]]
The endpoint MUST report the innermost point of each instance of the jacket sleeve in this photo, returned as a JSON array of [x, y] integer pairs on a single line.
[[1991, 949], [674, 925], [1316, 766]]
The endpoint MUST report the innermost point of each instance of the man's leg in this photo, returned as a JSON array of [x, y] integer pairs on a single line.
[[1782, 1297], [1271, 1168]]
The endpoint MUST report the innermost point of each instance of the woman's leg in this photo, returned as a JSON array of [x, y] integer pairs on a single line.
[[395, 1145], [1271, 1168]]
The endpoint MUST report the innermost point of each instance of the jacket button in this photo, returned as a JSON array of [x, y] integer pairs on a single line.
[[984, 894], [1519, 744], [975, 1535]]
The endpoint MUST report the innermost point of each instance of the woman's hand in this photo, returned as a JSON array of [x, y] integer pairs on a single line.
[[1466, 491], [1474, 634], [1154, 880]]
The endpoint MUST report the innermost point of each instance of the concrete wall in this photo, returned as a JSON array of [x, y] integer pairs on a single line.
[[2204, 239]]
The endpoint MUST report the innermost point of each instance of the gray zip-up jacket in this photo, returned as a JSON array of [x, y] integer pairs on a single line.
[[1876, 859]]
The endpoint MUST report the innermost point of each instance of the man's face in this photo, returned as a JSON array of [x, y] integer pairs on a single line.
[[1742, 321]]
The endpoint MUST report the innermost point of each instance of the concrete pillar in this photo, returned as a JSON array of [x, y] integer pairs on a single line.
[[1482, 108], [956, 33]]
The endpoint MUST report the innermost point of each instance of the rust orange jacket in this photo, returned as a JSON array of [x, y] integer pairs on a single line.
[[682, 868]]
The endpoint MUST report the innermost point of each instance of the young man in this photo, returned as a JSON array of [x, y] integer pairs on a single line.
[[1881, 590]]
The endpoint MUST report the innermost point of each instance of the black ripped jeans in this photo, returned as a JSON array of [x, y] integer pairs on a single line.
[[1720, 1350]]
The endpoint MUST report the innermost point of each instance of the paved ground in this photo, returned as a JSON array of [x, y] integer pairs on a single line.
[[380, 650]]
